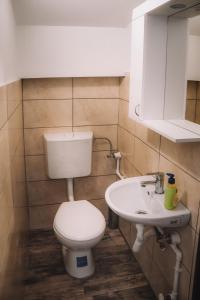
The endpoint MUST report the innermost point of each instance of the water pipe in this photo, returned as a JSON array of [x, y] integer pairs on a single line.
[[118, 156], [175, 241], [70, 190], [141, 237]]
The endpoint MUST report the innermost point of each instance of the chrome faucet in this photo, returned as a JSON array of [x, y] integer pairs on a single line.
[[159, 182]]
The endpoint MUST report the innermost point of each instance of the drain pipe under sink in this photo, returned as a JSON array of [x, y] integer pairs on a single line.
[[173, 242], [141, 237]]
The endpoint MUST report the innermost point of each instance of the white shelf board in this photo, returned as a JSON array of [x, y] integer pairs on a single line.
[[191, 126], [177, 131]]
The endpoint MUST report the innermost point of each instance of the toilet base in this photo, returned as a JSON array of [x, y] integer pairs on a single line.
[[78, 263]]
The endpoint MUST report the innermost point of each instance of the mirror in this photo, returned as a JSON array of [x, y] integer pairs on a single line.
[[192, 112], [186, 57]]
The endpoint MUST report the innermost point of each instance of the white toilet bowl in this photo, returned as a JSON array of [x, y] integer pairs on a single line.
[[79, 226]]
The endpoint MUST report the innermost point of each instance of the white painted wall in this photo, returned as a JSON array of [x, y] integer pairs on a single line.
[[95, 13], [8, 71], [57, 51], [193, 63]]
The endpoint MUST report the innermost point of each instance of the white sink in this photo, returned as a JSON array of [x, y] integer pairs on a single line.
[[128, 199]]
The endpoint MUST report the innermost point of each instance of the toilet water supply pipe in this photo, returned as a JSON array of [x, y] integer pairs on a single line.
[[142, 236], [70, 190]]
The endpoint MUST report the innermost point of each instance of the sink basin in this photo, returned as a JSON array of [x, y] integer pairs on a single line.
[[139, 204]]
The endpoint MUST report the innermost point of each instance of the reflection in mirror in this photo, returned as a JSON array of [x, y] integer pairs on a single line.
[[193, 101], [193, 84]]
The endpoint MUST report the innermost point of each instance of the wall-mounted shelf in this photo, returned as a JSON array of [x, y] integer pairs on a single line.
[[177, 131]]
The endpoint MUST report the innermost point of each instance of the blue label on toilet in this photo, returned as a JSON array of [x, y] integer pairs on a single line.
[[81, 261]]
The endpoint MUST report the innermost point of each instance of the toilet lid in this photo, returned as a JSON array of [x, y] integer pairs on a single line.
[[79, 221]]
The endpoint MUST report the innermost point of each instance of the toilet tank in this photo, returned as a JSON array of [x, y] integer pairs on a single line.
[[68, 154]]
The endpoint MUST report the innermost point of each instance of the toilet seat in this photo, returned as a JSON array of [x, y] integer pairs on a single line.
[[79, 221]]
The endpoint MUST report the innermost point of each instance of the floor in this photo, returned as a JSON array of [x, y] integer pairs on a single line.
[[118, 276]]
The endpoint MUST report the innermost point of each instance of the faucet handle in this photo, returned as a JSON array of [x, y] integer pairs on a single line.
[[158, 175], [159, 181]]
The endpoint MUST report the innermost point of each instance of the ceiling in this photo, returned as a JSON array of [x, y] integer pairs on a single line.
[[106, 13]]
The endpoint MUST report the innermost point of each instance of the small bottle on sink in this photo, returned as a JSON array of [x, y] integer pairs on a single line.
[[170, 201]]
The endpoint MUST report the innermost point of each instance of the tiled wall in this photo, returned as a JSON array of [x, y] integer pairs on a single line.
[[13, 205], [99, 104], [64, 104], [145, 151], [193, 102]]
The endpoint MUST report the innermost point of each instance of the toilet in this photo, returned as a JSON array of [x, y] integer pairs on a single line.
[[78, 225]]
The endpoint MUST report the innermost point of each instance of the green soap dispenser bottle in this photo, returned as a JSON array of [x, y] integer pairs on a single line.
[[170, 193]]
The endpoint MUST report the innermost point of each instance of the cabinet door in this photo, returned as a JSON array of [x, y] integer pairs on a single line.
[[148, 65], [136, 72]]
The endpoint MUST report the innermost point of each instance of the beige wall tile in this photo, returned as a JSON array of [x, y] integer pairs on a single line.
[[102, 206], [18, 179], [6, 201], [197, 116], [126, 144], [102, 164], [90, 188], [36, 168], [187, 245], [47, 88], [184, 284], [124, 88], [96, 87], [145, 159], [191, 89], [15, 127], [144, 259], [12, 216], [108, 131], [33, 138], [125, 228], [124, 120], [198, 90], [188, 188], [184, 155], [47, 113], [41, 217], [148, 136], [3, 105], [194, 266], [47, 192], [158, 282], [14, 91], [128, 168], [190, 110], [95, 112]]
